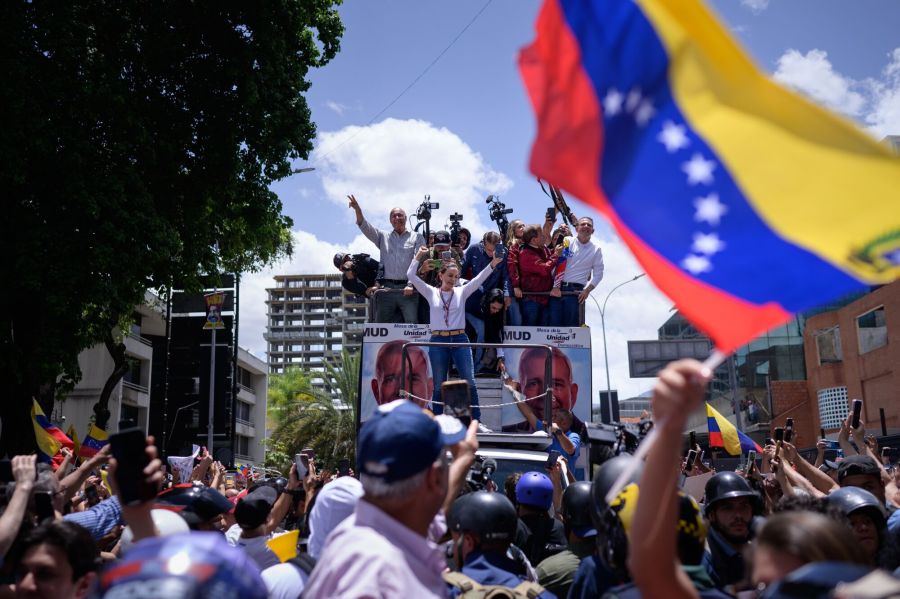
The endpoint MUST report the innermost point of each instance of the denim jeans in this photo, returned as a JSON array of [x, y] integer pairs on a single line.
[[534, 314], [393, 306], [564, 311], [478, 325], [461, 356], [513, 313]]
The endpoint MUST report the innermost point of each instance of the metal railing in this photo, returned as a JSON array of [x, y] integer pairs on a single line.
[[244, 422], [548, 367], [373, 309], [135, 386], [140, 339]]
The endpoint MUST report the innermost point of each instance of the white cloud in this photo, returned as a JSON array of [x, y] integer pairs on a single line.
[[757, 6], [311, 255], [634, 312], [336, 107], [813, 74], [884, 116], [394, 163], [397, 162]]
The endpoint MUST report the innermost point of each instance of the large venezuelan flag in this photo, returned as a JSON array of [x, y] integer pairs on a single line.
[[742, 201], [724, 434], [48, 436]]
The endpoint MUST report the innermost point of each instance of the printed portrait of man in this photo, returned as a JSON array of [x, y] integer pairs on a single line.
[[386, 383]]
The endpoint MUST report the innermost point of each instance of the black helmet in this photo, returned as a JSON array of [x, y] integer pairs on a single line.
[[339, 259], [852, 499], [603, 481], [489, 515], [576, 509], [196, 503], [728, 485]]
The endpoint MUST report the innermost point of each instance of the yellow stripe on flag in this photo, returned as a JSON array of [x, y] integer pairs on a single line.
[[729, 432], [813, 177]]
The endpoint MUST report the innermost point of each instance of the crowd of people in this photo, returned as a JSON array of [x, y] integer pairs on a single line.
[[415, 522], [542, 278]]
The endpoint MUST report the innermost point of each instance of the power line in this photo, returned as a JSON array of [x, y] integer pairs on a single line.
[[414, 81]]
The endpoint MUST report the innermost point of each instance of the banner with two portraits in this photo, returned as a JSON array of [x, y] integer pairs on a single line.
[[382, 358]]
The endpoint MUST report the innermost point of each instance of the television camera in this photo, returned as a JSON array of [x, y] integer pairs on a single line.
[[423, 215], [455, 219], [498, 212]]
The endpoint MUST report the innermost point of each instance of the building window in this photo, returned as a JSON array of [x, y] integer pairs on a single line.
[[828, 344], [832, 406], [243, 445], [242, 413], [872, 330]]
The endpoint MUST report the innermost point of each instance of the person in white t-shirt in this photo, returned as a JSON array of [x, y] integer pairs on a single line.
[[583, 272], [447, 309]]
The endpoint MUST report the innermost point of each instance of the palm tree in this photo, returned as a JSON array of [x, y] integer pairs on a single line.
[[302, 415]]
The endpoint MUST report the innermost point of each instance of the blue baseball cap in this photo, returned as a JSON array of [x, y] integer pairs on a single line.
[[399, 441]]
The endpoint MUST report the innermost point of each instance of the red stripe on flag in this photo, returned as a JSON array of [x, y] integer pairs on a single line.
[[715, 439], [567, 152]]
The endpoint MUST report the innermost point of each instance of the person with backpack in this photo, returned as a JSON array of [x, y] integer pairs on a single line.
[[482, 525]]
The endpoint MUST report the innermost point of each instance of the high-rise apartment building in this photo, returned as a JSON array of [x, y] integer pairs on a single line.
[[310, 320]]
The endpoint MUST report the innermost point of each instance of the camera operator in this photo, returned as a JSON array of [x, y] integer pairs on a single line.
[[397, 248], [476, 259], [359, 273], [437, 257]]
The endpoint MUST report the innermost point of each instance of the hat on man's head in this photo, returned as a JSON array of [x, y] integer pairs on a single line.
[[857, 464], [339, 259], [398, 441], [254, 508], [441, 238]]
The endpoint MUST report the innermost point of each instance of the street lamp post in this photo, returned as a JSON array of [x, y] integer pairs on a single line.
[[605, 353]]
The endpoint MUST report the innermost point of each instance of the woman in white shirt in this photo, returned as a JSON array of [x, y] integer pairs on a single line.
[[447, 309]]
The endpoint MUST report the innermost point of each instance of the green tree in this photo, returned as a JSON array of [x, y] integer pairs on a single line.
[[302, 415], [139, 143]]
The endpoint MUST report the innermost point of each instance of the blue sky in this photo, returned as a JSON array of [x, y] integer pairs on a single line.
[[464, 129]]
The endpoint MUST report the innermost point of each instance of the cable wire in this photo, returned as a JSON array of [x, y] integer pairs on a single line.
[[410, 86]]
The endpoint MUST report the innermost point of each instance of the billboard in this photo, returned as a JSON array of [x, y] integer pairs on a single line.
[[381, 365]]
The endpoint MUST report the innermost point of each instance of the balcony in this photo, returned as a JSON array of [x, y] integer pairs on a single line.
[[246, 394], [138, 347], [136, 395], [244, 427]]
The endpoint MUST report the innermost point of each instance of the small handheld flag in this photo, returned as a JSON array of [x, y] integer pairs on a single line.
[[48, 436], [93, 442], [724, 434]]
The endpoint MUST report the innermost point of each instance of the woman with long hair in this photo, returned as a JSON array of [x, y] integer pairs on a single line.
[[447, 310], [513, 245]]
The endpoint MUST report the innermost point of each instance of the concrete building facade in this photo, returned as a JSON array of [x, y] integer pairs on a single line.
[[131, 397], [144, 394], [311, 319], [250, 409]]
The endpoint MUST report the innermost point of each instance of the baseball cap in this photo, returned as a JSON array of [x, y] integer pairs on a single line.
[[398, 441], [254, 508], [441, 238], [857, 464]]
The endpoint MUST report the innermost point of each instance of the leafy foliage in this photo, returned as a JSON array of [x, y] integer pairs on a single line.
[[302, 415], [136, 137]]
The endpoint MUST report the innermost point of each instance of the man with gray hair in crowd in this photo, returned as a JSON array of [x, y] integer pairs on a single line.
[[387, 548]]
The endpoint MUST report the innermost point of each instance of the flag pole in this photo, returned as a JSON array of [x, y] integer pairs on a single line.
[[715, 359]]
